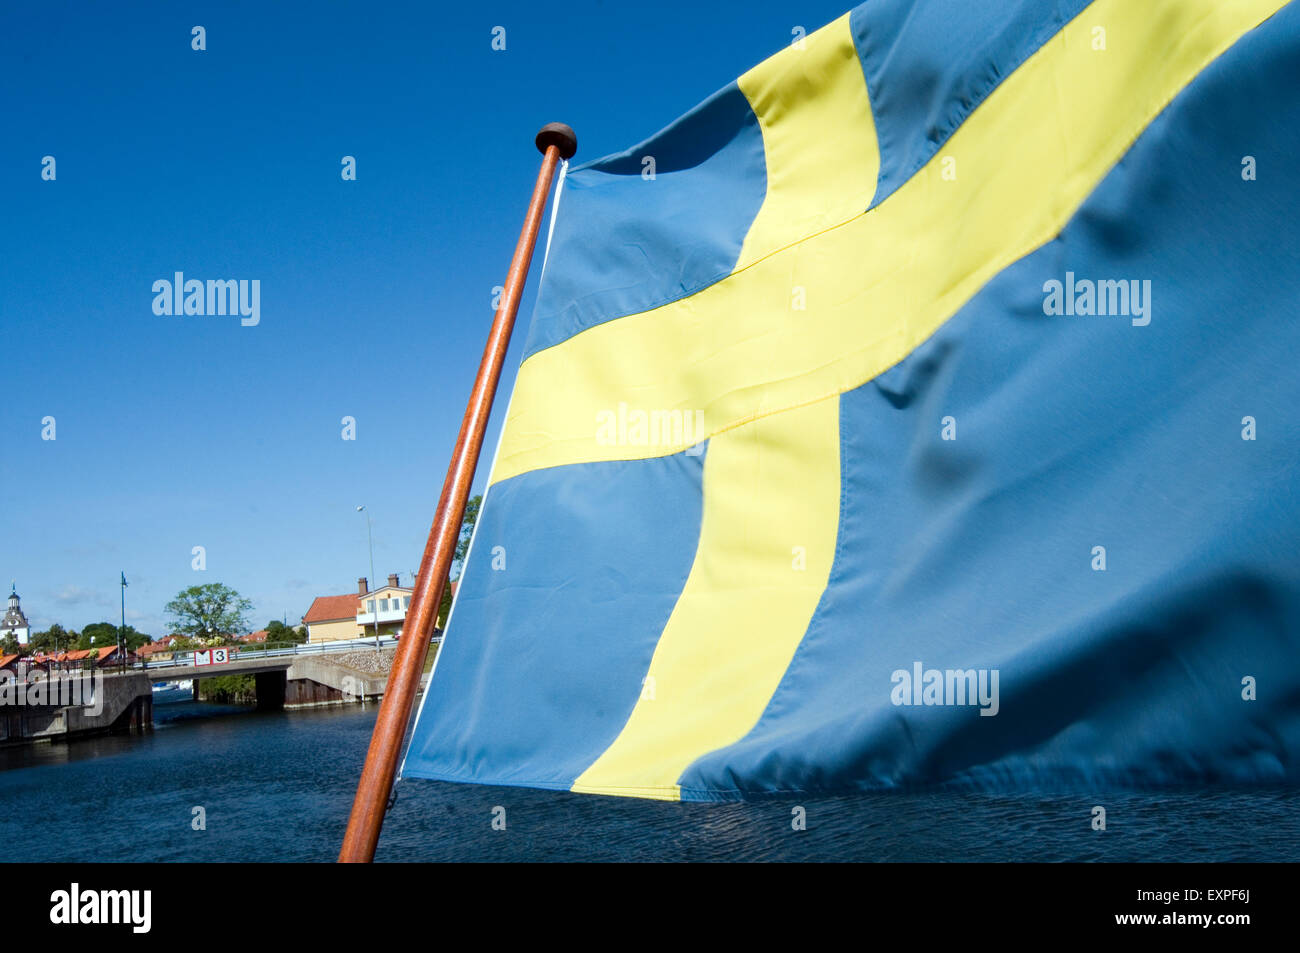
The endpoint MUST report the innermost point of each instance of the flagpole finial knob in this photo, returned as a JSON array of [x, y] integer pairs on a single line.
[[559, 135]]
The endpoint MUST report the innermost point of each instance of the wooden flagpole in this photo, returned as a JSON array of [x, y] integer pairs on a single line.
[[556, 141]]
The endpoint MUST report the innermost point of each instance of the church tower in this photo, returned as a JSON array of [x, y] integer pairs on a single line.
[[15, 623]]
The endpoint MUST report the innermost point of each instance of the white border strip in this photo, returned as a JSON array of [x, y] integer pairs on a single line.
[[555, 210]]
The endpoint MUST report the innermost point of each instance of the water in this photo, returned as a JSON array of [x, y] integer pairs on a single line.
[[278, 786]]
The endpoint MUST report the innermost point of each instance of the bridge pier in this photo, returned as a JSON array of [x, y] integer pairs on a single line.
[[308, 693], [141, 714]]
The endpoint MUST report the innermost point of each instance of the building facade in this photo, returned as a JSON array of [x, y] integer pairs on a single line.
[[385, 607], [353, 616], [15, 623]]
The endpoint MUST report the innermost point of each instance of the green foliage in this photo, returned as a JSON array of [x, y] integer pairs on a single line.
[[462, 550], [136, 639], [100, 634], [277, 631], [444, 606], [94, 636], [209, 611], [9, 644], [54, 639], [229, 689], [97, 634], [466, 531]]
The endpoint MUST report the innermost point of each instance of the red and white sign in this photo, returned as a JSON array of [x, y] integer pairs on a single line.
[[212, 657]]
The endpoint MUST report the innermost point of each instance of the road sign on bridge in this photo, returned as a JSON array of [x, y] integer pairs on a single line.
[[212, 657]]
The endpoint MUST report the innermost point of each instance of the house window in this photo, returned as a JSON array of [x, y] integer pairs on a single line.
[[383, 605], [370, 605], [406, 603]]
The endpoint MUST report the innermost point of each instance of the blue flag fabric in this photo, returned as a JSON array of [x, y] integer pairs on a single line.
[[921, 407]]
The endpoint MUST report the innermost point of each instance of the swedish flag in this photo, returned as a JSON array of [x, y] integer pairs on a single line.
[[921, 406]]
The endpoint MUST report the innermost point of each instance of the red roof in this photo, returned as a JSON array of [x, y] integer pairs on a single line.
[[332, 608], [152, 648], [6, 659], [258, 636]]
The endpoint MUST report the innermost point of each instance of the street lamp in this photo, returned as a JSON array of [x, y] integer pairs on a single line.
[[371, 540], [121, 632]]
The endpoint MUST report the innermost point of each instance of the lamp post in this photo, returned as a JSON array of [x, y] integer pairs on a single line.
[[371, 540], [121, 632]]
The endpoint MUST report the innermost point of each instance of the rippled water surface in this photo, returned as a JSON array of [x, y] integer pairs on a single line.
[[278, 787]]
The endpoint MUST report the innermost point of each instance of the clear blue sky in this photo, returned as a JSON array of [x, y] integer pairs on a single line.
[[175, 432]]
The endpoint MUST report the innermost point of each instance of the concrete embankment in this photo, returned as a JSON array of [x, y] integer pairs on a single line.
[[104, 702], [338, 678]]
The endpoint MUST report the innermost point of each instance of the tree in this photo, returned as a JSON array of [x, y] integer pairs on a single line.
[[101, 634], [462, 550], [466, 532], [9, 644], [54, 639], [98, 634], [229, 689], [277, 631], [208, 611]]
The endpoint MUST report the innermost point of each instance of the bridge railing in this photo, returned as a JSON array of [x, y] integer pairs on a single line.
[[185, 658]]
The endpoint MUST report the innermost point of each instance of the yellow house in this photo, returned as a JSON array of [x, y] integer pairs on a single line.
[[352, 616], [331, 618], [388, 604]]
